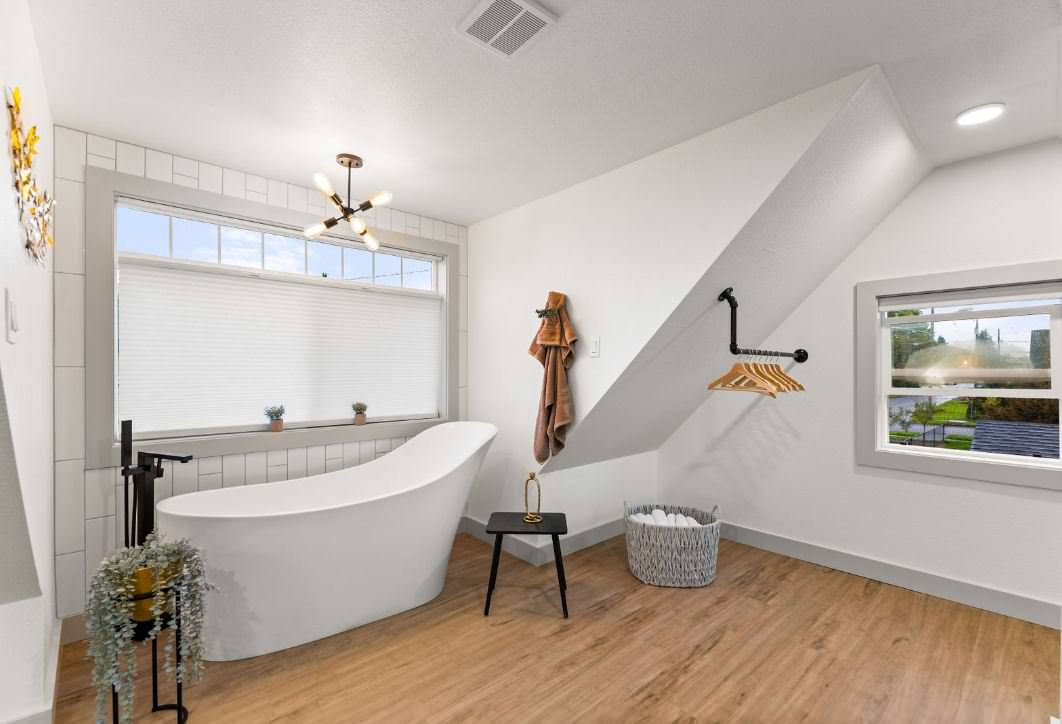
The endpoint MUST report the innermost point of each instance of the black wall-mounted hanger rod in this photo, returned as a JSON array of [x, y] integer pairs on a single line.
[[727, 295]]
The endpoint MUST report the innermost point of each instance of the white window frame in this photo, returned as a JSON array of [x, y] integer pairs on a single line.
[[874, 370], [106, 189], [331, 238]]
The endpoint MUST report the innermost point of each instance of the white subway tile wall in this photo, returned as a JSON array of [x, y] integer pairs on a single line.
[[99, 146], [101, 161], [210, 178], [89, 504], [159, 166], [233, 183], [185, 167], [130, 160], [70, 227], [296, 463], [255, 468], [69, 320], [232, 471], [315, 460]]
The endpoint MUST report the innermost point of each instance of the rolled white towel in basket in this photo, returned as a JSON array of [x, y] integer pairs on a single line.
[[658, 517]]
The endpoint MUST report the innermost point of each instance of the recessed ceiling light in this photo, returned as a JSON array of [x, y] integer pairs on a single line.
[[980, 114]]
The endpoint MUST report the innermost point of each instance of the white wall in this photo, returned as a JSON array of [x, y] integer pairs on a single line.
[[626, 247], [786, 466], [27, 628], [854, 173], [89, 504]]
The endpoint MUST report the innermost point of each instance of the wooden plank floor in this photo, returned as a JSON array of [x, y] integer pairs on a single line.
[[772, 640]]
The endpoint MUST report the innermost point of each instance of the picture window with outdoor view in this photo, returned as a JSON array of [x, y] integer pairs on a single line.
[[972, 374]]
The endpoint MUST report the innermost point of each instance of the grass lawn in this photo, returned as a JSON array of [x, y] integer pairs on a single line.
[[958, 442], [900, 435], [950, 410]]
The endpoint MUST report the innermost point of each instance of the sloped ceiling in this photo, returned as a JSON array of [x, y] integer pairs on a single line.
[[278, 88], [856, 171]]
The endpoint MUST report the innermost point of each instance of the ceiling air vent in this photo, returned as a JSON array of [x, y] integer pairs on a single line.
[[505, 26]]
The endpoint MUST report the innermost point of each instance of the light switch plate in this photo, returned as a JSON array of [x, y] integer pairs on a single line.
[[10, 318], [595, 346]]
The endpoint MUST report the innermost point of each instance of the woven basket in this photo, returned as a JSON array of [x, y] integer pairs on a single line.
[[663, 555]]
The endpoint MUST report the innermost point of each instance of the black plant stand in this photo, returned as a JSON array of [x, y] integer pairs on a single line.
[[143, 629], [553, 525]]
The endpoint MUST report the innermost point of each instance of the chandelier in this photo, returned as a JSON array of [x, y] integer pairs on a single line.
[[346, 213]]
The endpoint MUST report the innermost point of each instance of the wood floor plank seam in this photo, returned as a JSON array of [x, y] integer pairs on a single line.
[[773, 639]]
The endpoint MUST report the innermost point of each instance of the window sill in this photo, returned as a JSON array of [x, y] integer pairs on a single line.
[[1032, 474], [206, 446]]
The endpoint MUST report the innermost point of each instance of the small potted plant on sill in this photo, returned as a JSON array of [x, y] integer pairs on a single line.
[[275, 413], [360, 408]]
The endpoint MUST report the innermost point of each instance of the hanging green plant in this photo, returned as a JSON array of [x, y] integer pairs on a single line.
[[171, 570]]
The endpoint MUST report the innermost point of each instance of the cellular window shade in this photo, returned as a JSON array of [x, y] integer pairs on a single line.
[[200, 350]]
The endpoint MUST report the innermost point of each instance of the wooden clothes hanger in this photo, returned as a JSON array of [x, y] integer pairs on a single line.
[[767, 378], [797, 387], [776, 372], [743, 377], [767, 371]]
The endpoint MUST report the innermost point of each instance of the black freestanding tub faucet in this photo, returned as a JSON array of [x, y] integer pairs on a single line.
[[140, 521]]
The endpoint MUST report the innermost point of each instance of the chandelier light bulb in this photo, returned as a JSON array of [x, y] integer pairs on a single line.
[[381, 199], [357, 225], [314, 230], [323, 184], [370, 241]]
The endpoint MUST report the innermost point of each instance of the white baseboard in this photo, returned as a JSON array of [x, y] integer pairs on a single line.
[[41, 717], [540, 555], [74, 629], [1014, 605]]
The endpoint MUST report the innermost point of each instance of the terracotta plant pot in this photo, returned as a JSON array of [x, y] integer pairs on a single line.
[[359, 419], [276, 425]]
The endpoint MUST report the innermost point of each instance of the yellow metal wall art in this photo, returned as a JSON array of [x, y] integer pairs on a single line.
[[35, 204]]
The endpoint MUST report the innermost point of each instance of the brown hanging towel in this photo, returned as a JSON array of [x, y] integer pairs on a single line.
[[552, 347]]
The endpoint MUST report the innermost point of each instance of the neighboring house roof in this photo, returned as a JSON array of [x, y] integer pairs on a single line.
[[1032, 439]]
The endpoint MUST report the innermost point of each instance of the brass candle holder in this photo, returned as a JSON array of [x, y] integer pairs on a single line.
[[536, 516]]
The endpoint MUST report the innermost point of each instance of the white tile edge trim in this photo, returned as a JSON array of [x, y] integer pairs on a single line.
[[1014, 605]]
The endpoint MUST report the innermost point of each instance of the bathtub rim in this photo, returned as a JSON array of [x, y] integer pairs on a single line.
[[488, 439]]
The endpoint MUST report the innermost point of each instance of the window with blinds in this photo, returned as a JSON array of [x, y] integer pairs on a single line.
[[216, 321], [970, 373]]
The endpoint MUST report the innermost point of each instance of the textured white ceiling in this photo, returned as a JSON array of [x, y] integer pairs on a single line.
[[279, 87]]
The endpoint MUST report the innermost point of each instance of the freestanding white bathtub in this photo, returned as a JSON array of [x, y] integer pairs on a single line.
[[299, 560]]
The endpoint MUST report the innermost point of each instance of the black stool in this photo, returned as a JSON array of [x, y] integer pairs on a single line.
[[553, 525]]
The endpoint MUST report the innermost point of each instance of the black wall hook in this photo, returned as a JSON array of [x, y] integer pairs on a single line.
[[727, 295]]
